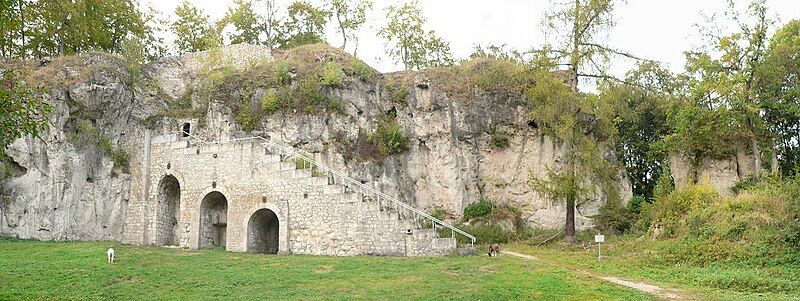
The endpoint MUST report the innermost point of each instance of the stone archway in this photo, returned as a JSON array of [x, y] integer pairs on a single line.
[[168, 212], [263, 232], [213, 220]]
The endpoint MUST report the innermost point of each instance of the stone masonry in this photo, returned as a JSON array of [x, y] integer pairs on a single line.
[[226, 187]]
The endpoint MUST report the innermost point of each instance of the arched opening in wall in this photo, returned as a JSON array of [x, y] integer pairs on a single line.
[[185, 129], [262, 232], [213, 220], [168, 212]]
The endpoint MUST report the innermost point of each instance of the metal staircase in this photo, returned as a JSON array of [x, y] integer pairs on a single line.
[[289, 155]]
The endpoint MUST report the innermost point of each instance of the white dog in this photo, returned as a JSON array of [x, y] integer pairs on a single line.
[[110, 254]]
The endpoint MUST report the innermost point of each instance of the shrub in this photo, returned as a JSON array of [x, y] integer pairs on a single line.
[[499, 139], [388, 138], [670, 211], [87, 137], [309, 90], [489, 234], [481, 208], [613, 217], [270, 102], [281, 74], [664, 184], [332, 75], [335, 104], [361, 69], [499, 75], [760, 227], [437, 212], [397, 91], [121, 159]]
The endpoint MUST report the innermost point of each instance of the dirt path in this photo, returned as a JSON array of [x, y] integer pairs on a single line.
[[659, 292]]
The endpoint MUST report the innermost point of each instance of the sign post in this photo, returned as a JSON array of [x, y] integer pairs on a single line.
[[599, 238]]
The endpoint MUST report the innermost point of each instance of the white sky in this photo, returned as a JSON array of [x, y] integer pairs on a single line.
[[654, 29]]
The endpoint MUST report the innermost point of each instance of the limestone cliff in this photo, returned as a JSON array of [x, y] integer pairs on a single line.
[[462, 147]]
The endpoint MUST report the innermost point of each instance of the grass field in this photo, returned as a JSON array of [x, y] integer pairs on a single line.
[[638, 260], [33, 270]]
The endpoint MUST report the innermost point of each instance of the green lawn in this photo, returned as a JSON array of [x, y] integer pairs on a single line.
[[33, 270], [633, 259]]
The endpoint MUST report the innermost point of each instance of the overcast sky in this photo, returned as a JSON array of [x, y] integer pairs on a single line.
[[659, 30]]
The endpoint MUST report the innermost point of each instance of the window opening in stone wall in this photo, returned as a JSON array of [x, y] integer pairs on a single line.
[[185, 129]]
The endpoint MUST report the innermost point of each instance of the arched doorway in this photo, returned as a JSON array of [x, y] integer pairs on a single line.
[[262, 232], [213, 220], [168, 212]]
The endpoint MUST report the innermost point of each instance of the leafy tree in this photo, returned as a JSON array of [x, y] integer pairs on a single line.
[[12, 27], [350, 16], [569, 116], [723, 74], [699, 132], [151, 40], [247, 23], [194, 30], [21, 110], [640, 104], [409, 43], [779, 94], [305, 25], [63, 27]]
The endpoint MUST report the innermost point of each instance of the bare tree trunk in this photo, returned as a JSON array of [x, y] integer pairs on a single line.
[[754, 149], [22, 28], [569, 231], [775, 165], [344, 33]]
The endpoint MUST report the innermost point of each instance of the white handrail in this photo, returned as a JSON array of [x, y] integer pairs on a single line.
[[290, 152]]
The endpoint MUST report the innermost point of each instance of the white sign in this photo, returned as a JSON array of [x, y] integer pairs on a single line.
[[599, 238]]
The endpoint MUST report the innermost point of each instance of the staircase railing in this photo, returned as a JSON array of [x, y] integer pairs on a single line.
[[290, 152]]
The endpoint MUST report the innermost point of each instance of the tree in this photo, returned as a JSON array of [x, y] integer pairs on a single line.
[[350, 16], [581, 124], [409, 43], [640, 107], [151, 40], [247, 23], [271, 24], [63, 27], [305, 25], [778, 87], [12, 27], [724, 73], [22, 112], [580, 23], [194, 30]]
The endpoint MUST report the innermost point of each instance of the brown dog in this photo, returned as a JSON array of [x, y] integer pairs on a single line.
[[494, 249]]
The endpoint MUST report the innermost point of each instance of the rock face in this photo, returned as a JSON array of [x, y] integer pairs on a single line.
[[66, 190], [722, 174], [63, 190]]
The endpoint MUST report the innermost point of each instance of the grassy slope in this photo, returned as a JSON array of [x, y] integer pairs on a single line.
[[77, 270], [623, 257]]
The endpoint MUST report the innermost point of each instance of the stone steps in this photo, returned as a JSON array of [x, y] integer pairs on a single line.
[[386, 212]]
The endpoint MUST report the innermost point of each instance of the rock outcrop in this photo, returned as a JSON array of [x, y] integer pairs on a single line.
[[722, 174], [65, 189]]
